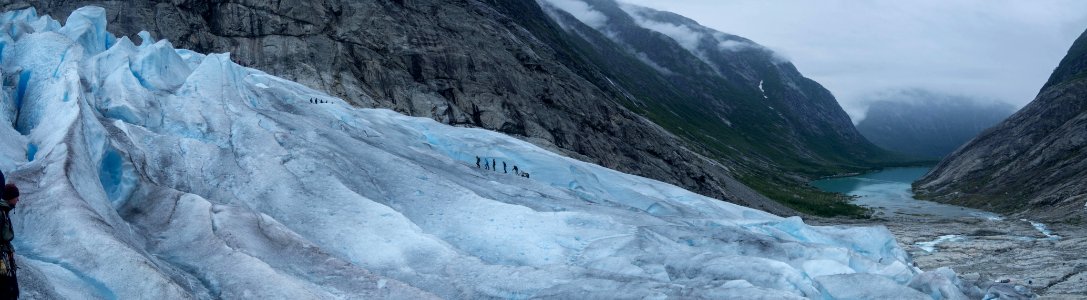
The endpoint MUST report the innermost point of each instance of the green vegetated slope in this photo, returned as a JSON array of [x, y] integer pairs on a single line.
[[773, 139]]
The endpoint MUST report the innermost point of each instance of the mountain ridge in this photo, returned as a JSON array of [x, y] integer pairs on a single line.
[[1031, 164]]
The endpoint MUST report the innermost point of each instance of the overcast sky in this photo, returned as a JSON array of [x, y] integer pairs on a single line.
[[993, 49]]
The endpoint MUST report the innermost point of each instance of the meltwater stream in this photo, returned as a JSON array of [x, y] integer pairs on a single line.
[[888, 194], [1012, 256]]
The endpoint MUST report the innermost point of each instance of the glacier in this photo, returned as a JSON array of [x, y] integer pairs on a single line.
[[152, 172]]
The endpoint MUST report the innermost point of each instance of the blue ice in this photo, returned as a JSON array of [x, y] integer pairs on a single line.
[[215, 181]]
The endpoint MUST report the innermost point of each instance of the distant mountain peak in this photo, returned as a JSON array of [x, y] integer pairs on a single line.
[[927, 124]]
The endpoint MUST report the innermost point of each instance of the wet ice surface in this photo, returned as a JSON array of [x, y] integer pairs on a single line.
[[888, 192], [982, 247], [158, 173]]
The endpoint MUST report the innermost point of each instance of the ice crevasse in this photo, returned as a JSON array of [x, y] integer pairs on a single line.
[[151, 172]]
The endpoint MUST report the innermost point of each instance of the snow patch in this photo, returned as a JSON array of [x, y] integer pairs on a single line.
[[763, 91]]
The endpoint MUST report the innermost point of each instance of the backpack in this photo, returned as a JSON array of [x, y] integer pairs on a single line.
[[7, 253], [6, 232]]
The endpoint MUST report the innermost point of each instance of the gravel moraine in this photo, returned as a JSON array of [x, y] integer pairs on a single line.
[[989, 252]]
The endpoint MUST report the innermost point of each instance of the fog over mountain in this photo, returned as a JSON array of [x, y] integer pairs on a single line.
[[1032, 164], [1001, 50], [926, 124]]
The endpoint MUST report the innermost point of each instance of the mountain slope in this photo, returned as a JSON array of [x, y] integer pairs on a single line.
[[1034, 162], [463, 63], [158, 173], [756, 91], [509, 66], [926, 124], [740, 102]]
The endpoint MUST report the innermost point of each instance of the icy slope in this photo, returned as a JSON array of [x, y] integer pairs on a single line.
[[157, 173]]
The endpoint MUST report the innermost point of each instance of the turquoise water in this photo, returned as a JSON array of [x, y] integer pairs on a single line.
[[889, 193]]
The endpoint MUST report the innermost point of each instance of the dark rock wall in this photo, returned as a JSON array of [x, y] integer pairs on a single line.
[[1034, 163]]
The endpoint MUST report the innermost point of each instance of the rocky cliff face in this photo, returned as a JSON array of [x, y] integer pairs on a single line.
[[509, 66], [925, 124], [466, 63], [1034, 163]]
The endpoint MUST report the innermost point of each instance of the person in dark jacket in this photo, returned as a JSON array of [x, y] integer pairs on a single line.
[[9, 285]]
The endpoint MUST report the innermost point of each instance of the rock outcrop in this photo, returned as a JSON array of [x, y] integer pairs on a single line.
[[1034, 163]]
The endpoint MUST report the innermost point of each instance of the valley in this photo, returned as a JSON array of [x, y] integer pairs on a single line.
[[359, 149], [983, 247]]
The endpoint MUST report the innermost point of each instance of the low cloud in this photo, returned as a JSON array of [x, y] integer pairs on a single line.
[[926, 98], [988, 49], [686, 36], [735, 46], [581, 11]]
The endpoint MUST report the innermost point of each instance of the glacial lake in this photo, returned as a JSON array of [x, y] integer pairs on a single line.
[[888, 193]]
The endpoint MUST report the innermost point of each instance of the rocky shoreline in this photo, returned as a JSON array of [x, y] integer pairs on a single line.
[[1002, 253]]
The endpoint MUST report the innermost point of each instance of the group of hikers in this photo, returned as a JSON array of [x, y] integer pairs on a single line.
[[493, 166], [317, 101], [9, 286]]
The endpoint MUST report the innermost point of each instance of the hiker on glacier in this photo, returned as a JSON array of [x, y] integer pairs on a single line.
[[9, 286]]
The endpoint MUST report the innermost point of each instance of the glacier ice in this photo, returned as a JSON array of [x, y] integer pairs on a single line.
[[154, 172]]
